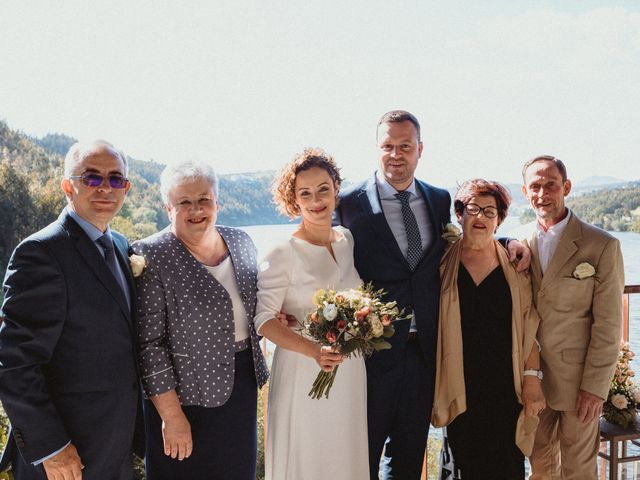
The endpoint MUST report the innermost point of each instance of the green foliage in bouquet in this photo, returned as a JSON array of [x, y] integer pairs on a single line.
[[624, 396], [354, 321]]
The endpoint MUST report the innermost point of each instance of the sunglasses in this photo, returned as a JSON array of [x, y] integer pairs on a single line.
[[95, 180]]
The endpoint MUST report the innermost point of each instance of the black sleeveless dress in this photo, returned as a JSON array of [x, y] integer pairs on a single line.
[[482, 439]]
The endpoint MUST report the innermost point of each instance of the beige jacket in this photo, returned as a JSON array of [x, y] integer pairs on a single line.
[[450, 398], [580, 320]]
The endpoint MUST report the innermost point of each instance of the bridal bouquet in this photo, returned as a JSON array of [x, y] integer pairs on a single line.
[[624, 396], [354, 321]]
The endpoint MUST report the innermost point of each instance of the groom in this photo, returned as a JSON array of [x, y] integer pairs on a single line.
[[397, 223], [68, 377]]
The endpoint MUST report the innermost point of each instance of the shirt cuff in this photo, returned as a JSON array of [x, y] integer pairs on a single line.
[[38, 462]]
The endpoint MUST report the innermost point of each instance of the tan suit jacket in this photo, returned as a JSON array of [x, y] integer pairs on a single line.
[[580, 320]]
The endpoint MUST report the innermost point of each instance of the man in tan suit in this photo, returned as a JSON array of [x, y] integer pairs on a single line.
[[578, 281]]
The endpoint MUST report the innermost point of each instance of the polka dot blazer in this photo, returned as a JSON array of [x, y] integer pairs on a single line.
[[185, 319]]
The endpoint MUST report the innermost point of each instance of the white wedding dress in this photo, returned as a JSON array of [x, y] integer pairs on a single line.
[[311, 439]]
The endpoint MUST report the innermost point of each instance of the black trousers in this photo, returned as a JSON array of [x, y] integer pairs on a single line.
[[399, 402], [224, 438]]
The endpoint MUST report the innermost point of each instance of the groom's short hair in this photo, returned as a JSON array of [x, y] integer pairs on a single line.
[[398, 116]]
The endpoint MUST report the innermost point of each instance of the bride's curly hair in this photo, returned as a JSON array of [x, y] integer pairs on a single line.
[[283, 187]]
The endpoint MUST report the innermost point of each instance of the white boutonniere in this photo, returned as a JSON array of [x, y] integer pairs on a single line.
[[137, 263], [451, 233], [584, 270]]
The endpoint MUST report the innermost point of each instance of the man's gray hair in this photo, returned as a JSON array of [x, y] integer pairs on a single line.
[[186, 172], [80, 150]]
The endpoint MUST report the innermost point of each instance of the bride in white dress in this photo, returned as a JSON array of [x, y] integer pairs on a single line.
[[310, 439]]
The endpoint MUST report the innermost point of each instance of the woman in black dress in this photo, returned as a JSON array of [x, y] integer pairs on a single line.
[[488, 388]]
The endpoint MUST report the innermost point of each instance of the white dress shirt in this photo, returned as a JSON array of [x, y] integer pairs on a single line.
[[392, 209], [548, 241]]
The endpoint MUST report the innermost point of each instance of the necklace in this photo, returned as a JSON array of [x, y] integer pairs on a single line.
[[475, 265], [489, 269]]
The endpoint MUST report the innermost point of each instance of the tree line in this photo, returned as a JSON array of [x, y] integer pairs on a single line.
[[31, 198]]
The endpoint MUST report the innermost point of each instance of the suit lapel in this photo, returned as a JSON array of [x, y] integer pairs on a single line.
[[123, 258], [436, 228], [565, 250], [89, 252], [370, 202], [535, 259]]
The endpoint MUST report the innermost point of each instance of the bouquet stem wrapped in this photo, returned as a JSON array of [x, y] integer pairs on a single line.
[[323, 383], [354, 321]]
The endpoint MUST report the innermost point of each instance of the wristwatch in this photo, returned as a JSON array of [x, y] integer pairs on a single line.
[[534, 373]]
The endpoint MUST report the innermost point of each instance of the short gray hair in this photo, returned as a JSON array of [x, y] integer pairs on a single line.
[[185, 172], [80, 150]]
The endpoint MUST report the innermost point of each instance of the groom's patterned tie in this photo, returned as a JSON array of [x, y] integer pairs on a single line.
[[414, 252], [106, 242]]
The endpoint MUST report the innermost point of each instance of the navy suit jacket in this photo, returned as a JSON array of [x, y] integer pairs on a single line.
[[67, 334], [378, 259]]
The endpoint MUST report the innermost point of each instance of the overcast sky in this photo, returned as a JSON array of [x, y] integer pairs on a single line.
[[247, 84]]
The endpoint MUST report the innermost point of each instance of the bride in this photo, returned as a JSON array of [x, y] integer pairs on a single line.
[[310, 439]]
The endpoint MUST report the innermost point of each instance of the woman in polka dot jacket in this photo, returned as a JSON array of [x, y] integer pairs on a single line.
[[200, 358]]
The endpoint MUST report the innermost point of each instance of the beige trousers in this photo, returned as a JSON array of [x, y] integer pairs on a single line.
[[565, 448]]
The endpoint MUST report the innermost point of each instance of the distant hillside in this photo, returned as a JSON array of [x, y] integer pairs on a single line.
[[599, 182], [616, 209], [30, 195], [610, 208]]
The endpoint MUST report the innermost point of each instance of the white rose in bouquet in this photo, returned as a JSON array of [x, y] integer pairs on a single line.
[[376, 327], [330, 311], [619, 401]]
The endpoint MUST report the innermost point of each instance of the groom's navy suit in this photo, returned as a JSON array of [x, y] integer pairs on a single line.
[[67, 362], [399, 380]]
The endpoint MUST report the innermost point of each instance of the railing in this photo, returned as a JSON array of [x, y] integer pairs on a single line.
[[626, 310], [628, 291]]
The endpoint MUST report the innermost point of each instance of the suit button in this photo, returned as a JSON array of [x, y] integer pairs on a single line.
[[542, 294]]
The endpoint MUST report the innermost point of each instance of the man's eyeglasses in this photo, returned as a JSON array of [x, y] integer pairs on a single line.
[[90, 179], [473, 209]]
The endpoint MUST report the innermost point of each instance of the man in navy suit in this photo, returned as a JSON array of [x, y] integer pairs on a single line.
[[68, 377], [397, 223]]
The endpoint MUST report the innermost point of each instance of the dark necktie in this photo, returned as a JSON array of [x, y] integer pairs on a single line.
[[414, 250], [106, 243]]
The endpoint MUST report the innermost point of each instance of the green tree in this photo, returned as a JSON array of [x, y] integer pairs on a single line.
[[18, 211]]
